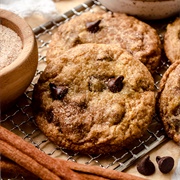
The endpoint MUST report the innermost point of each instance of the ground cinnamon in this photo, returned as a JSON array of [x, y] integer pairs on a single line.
[[11, 46]]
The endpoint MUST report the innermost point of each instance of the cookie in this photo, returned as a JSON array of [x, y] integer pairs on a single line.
[[137, 37], [172, 41], [169, 101], [94, 99]]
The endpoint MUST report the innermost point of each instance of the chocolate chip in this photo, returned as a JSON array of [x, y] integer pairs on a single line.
[[115, 84], [58, 92], [176, 111], [165, 163], [76, 42], [82, 105], [146, 166], [93, 27], [105, 58], [49, 116], [175, 124]]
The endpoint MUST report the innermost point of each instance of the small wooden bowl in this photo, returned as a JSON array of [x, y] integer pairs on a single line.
[[16, 77]]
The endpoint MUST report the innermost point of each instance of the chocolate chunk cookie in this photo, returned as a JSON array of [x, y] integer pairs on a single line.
[[137, 37], [172, 41], [169, 102], [94, 99]]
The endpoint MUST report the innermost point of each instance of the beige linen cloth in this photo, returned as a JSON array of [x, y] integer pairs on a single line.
[[26, 8]]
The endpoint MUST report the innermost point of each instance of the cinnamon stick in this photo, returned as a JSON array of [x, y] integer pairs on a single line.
[[26, 162], [12, 145], [15, 170], [100, 172], [10, 169], [35, 154]]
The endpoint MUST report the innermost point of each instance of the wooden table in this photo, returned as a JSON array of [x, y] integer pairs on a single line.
[[168, 148]]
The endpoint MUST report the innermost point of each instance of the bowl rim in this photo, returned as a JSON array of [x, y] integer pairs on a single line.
[[147, 10], [27, 39], [153, 0]]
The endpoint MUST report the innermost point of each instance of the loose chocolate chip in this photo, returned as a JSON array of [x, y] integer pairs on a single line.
[[165, 163], [146, 166], [115, 84], [58, 92], [93, 27]]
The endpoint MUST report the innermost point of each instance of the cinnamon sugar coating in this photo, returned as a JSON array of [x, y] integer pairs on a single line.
[[169, 101], [77, 110], [137, 37], [172, 41]]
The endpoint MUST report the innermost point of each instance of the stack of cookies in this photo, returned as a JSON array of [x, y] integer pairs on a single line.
[[97, 94]]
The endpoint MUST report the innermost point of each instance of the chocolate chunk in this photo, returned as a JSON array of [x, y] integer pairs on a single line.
[[146, 166], [58, 92], [165, 163], [115, 84], [93, 27]]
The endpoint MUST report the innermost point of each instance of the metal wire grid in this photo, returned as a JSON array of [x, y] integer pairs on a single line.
[[19, 119]]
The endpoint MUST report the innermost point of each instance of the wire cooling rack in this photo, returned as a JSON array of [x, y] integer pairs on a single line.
[[19, 119]]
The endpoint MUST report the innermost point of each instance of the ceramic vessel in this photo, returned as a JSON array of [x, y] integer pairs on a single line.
[[146, 9]]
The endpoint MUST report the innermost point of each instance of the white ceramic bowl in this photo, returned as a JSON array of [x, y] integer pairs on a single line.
[[146, 9], [16, 77]]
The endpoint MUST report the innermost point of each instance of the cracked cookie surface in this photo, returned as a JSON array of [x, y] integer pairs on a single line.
[[172, 41], [94, 99], [169, 101], [137, 37]]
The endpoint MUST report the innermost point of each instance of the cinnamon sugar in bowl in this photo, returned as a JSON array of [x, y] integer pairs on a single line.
[[11, 46], [18, 57]]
